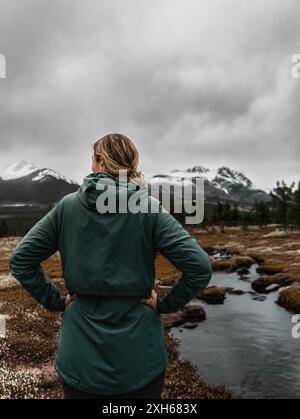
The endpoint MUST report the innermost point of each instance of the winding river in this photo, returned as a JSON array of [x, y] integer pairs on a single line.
[[246, 343]]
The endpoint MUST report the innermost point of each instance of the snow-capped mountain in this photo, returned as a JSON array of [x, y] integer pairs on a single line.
[[223, 184], [23, 182], [18, 169], [228, 180], [21, 168]]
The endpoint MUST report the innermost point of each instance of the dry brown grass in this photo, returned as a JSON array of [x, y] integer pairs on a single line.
[[27, 354], [213, 295], [289, 298]]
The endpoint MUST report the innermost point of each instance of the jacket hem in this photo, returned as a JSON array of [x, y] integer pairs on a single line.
[[72, 382]]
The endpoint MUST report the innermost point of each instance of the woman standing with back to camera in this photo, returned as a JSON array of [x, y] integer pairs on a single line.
[[111, 340]]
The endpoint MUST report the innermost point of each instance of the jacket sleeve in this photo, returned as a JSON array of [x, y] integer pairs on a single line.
[[25, 262], [183, 251]]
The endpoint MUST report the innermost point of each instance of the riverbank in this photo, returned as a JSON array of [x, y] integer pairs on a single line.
[[274, 250]]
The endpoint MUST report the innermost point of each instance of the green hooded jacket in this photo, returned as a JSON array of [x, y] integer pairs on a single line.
[[109, 342]]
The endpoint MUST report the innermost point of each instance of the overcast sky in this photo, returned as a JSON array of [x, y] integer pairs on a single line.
[[204, 82]]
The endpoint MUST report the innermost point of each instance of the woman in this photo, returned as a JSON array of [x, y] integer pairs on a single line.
[[111, 339]]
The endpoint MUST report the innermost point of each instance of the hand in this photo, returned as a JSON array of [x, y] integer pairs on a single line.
[[151, 302], [69, 299]]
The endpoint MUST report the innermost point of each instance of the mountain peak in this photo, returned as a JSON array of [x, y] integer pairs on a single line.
[[22, 168], [228, 179], [18, 169]]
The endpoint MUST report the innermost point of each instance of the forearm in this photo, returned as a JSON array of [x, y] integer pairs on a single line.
[[38, 285], [182, 293], [25, 262]]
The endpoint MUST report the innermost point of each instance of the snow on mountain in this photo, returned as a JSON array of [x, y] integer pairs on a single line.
[[223, 178], [25, 183], [45, 174], [228, 180], [220, 184], [18, 169], [21, 169], [177, 176]]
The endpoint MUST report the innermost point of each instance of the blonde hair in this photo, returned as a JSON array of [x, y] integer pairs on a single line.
[[118, 152]]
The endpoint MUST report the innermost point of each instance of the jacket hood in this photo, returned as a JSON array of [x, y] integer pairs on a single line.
[[97, 184]]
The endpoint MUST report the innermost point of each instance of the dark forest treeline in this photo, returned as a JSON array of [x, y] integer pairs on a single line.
[[283, 208]]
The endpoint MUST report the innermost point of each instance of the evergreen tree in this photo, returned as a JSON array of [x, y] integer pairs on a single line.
[[282, 197], [262, 213], [295, 211]]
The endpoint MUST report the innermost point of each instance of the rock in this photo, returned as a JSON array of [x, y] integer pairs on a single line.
[[243, 271], [194, 312], [259, 298], [213, 295], [231, 269], [259, 286], [272, 288], [236, 292], [190, 325], [189, 314], [269, 283]]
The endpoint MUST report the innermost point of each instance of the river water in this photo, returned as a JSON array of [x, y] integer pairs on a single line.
[[245, 344]]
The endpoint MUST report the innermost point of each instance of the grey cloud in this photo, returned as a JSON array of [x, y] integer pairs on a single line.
[[193, 83]]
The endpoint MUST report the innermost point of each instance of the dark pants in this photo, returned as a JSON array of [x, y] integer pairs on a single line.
[[151, 390]]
